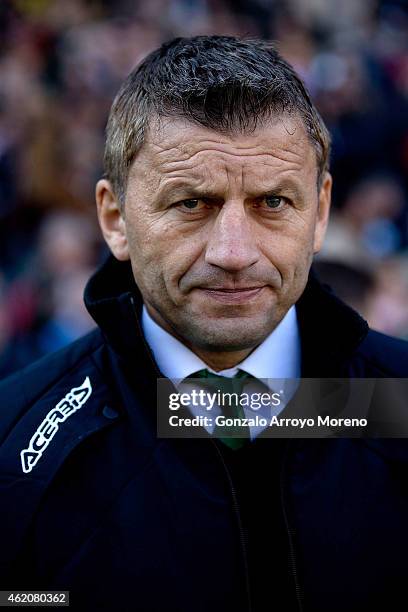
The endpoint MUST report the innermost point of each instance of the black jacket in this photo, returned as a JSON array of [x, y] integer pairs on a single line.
[[127, 521]]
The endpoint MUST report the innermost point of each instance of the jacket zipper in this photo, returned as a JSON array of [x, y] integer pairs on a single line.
[[231, 484], [240, 527], [290, 531], [232, 488]]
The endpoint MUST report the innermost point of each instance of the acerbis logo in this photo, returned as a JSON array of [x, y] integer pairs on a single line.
[[74, 399]]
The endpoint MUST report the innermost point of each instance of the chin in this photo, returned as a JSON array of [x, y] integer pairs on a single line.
[[234, 336]]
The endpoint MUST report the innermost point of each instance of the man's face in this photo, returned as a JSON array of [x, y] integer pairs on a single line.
[[220, 229]]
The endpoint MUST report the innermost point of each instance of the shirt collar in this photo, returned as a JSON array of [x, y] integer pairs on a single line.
[[278, 356]]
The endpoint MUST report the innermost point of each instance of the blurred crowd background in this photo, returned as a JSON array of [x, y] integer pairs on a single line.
[[61, 64]]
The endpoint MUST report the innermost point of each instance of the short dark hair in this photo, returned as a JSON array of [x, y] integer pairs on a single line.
[[220, 82]]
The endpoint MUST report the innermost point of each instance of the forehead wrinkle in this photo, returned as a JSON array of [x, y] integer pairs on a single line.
[[185, 145], [221, 173], [179, 140], [182, 134], [206, 159], [284, 154], [178, 182], [204, 180], [230, 162]]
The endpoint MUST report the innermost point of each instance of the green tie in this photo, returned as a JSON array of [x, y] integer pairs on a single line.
[[233, 409]]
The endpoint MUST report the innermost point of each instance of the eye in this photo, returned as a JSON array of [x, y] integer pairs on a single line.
[[274, 202], [194, 206], [190, 204]]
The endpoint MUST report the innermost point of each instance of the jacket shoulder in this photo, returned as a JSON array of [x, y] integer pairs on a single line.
[[23, 388], [387, 354]]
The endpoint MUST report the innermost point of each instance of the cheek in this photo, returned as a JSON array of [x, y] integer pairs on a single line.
[[160, 249], [144, 250], [147, 241], [289, 248]]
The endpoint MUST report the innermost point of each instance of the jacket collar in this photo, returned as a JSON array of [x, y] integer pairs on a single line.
[[330, 330], [330, 334]]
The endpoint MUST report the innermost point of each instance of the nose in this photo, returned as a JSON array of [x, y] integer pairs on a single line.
[[232, 244]]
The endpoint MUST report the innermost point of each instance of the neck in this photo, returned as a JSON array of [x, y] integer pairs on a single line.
[[221, 361], [216, 360]]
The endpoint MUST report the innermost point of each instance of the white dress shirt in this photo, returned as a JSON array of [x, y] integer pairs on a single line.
[[274, 361]]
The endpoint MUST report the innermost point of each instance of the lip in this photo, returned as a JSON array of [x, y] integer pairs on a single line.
[[233, 296]]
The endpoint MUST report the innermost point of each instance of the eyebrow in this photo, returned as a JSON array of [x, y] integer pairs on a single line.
[[186, 191], [287, 186]]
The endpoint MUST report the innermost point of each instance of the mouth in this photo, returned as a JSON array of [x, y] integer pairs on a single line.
[[233, 296]]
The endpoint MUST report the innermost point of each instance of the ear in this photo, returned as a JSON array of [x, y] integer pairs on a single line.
[[323, 212], [111, 220]]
